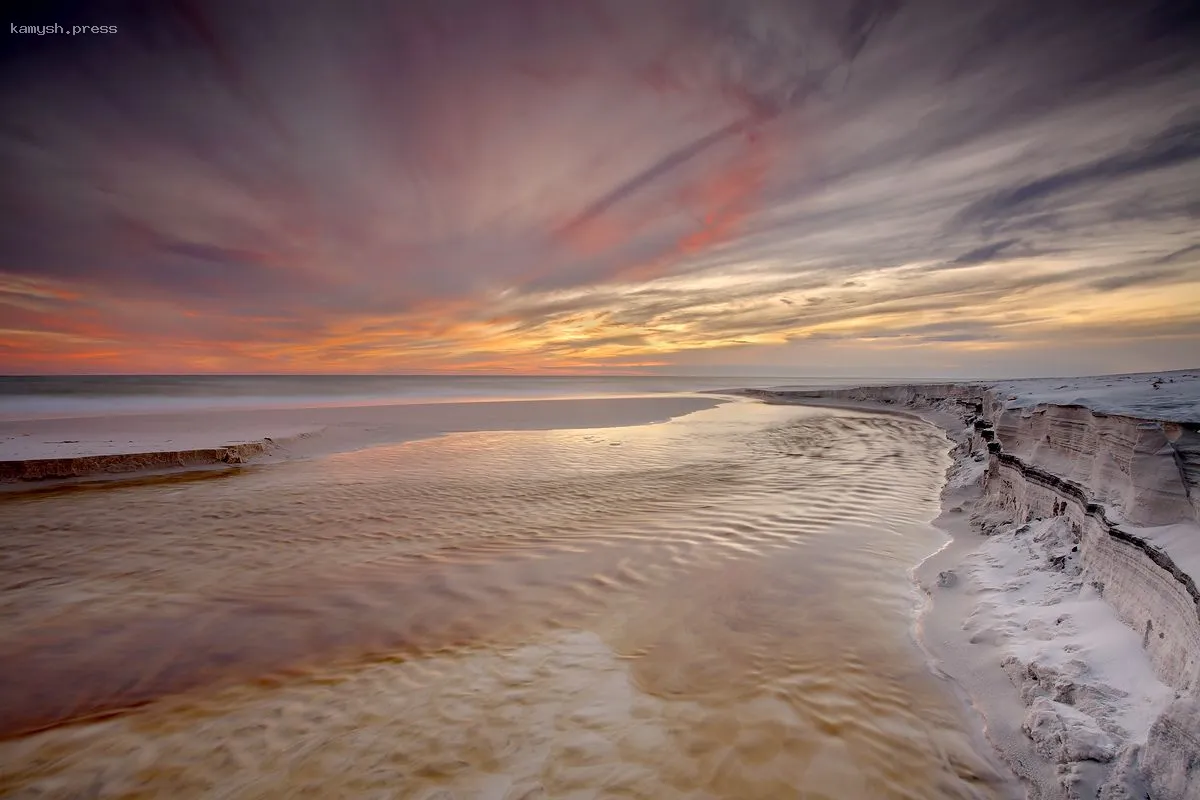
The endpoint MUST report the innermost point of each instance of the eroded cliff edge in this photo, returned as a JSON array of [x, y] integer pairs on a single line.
[[1122, 491]]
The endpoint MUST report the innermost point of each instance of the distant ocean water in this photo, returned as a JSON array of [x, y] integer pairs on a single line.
[[40, 397]]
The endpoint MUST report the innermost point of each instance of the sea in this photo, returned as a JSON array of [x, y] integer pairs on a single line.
[[716, 606]]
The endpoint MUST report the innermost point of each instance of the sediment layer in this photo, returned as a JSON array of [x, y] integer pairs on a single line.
[[1150, 592], [38, 469]]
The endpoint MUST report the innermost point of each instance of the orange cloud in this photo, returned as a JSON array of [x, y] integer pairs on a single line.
[[726, 199]]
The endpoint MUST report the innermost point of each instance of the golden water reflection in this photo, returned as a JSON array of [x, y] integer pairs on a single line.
[[714, 607]]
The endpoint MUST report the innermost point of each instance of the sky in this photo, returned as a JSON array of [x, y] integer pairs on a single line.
[[814, 187]]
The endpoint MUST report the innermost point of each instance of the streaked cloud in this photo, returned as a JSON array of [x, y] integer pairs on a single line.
[[531, 186]]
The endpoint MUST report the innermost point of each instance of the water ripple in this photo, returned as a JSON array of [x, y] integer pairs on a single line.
[[718, 606]]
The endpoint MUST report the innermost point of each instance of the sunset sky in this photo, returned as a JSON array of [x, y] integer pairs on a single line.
[[936, 188]]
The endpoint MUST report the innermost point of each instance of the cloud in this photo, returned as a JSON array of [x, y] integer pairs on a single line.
[[558, 184], [1176, 255], [1173, 147], [1124, 281], [983, 254]]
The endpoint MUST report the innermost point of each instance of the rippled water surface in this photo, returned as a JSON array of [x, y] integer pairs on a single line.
[[715, 607]]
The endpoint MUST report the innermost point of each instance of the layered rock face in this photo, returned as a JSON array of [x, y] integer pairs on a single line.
[[1169, 761], [1130, 489], [1129, 465], [1185, 445], [1150, 592]]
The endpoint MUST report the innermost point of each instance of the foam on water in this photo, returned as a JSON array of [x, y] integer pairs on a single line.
[[718, 606]]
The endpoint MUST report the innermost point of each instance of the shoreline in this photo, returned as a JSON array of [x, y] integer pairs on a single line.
[[59, 451], [940, 629], [1035, 611], [934, 623]]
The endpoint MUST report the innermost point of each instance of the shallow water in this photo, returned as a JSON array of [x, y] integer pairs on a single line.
[[719, 606], [55, 396]]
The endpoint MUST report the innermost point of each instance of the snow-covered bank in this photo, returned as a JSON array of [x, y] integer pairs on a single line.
[[1084, 593]]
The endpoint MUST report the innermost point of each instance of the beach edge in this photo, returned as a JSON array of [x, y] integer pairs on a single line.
[[1005, 692]]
